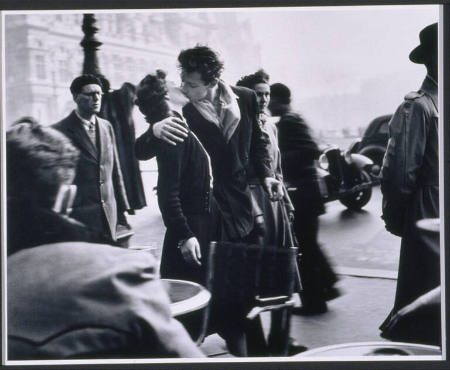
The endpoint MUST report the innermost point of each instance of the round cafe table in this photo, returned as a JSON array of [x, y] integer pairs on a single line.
[[188, 303], [372, 349], [432, 226], [429, 224]]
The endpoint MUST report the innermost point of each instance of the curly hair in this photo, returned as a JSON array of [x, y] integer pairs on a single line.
[[203, 60], [152, 95], [39, 160], [249, 81]]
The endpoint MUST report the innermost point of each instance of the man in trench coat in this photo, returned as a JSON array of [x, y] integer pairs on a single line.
[[410, 179]]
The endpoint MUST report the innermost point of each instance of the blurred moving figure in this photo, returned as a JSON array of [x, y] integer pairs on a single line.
[[184, 187], [410, 180], [68, 298], [101, 195], [298, 155]]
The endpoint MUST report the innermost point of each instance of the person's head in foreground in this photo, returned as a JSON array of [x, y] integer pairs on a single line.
[[40, 160]]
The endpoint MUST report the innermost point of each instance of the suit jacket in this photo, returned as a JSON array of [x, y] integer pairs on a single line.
[[100, 189], [231, 161], [83, 300]]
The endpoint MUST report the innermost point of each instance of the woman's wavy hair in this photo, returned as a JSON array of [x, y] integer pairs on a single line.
[[249, 81], [203, 60], [39, 160], [152, 96]]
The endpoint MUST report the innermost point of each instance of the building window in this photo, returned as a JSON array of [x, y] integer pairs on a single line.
[[64, 72], [40, 67]]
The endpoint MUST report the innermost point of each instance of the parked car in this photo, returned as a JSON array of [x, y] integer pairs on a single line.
[[374, 140]]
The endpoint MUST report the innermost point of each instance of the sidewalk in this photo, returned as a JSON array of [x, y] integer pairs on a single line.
[[352, 317]]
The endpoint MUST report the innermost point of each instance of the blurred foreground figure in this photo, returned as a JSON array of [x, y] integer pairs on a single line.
[[69, 298], [410, 183], [40, 169], [298, 155]]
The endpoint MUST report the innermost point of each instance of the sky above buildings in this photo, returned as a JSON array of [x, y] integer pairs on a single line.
[[344, 65], [337, 48]]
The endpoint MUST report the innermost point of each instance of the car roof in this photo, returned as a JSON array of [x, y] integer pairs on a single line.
[[376, 123]]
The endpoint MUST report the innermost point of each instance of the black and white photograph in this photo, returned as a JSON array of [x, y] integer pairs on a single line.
[[223, 185]]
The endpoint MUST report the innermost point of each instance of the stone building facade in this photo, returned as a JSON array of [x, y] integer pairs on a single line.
[[43, 52]]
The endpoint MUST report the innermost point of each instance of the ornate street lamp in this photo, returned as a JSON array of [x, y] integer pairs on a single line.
[[90, 45]]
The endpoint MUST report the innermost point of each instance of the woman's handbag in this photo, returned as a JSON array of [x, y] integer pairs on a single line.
[[291, 242]]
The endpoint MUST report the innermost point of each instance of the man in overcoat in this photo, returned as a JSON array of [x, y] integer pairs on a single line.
[[101, 195], [410, 178], [299, 152]]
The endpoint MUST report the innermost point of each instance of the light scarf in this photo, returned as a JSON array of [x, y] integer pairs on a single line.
[[229, 115]]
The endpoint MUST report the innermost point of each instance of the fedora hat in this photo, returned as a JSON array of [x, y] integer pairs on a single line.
[[428, 44]]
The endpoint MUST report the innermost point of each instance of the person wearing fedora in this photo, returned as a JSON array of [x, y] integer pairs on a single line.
[[410, 181]]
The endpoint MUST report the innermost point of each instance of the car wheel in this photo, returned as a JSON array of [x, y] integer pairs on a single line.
[[359, 199]]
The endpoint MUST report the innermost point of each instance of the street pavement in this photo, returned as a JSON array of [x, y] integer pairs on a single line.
[[363, 253]]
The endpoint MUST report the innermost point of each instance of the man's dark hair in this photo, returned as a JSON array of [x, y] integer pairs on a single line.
[[105, 85], [280, 92], [203, 60], [39, 160], [151, 96], [249, 81], [83, 80]]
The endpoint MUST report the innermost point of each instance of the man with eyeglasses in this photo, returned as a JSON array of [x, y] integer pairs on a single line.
[[101, 193]]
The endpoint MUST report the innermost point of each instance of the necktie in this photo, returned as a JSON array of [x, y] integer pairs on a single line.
[[91, 133]]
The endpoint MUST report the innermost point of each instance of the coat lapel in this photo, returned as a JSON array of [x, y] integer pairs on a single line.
[[80, 137], [102, 135]]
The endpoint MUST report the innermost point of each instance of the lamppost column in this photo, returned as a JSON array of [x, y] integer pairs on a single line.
[[90, 45]]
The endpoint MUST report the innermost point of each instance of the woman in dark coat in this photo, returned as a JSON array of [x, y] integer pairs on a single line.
[[184, 187]]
